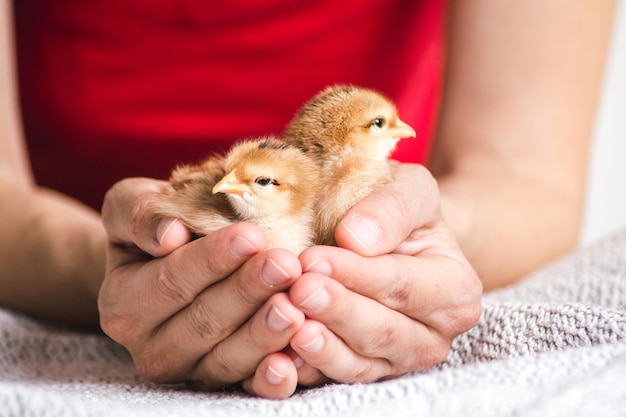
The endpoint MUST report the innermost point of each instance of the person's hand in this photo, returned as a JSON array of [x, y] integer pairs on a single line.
[[392, 297], [211, 312]]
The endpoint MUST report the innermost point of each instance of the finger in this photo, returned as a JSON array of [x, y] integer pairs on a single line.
[[129, 218], [367, 327], [382, 220], [238, 356], [137, 296], [436, 289], [276, 377], [328, 353], [219, 311], [307, 375]]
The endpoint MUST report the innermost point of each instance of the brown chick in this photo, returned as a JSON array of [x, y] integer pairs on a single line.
[[190, 198], [350, 131], [265, 181]]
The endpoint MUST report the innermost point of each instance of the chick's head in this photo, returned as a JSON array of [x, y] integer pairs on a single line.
[[268, 178], [345, 118]]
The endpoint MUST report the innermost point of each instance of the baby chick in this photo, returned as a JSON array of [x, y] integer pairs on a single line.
[[274, 185], [350, 131], [265, 181], [190, 198]]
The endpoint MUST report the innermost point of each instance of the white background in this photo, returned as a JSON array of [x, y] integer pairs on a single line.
[[606, 193]]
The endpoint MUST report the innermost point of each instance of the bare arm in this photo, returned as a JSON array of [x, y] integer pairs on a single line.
[[522, 87], [52, 249]]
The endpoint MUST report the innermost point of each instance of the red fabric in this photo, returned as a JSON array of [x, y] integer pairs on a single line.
[[117, 88]]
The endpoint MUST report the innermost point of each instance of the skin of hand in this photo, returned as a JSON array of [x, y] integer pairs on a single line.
[[363, 324], [211, 312]]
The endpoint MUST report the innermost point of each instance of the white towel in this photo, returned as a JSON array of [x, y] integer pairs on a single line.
[[552, 345]]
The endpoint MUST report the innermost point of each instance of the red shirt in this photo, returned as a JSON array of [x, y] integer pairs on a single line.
[[118, 88]]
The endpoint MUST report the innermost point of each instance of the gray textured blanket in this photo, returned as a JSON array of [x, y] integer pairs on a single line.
[[554, 344]]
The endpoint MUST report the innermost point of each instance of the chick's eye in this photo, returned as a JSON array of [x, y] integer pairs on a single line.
[[379, 123], [264, 181]]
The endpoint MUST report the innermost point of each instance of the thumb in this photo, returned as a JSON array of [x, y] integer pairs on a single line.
[[171, 234], [383, 220], [130, 220]]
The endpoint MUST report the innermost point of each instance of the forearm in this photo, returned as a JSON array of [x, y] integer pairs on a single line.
[[52, 255], [52, 249], [509, 226], [522, 85]]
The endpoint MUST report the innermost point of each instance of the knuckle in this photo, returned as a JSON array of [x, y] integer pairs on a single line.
[[459, 319], [115, 321], [137, 217], [427, 188], [360, 373], [418, 180], [224, 367], [168, 286], [425, 356], [464, 317], [466, 311], [244, 295], [154, 369], [463, 308], [432, 355], [217, 259], [398, 204], [115, 326], [386, 339], [256, 336], [249, 293], [205, 323], [401, 292], [108, 203], [426, 179]]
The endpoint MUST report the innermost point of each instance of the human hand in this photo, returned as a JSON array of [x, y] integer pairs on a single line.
[[391, 299], [212, 312]]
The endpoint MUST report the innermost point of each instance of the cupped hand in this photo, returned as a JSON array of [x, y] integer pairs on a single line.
[[212, 312], [392, 297]]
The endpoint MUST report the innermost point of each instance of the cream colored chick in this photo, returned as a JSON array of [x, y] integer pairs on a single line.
[[191, 200], [274, 185], [350, 131], [266, 182]]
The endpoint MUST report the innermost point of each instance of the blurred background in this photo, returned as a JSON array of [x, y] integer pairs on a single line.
[[606, 192]]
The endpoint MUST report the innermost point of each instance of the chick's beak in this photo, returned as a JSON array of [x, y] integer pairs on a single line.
[[230, 184], [402, 130]]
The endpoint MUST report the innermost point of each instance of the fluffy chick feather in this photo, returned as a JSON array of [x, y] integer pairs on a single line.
[[265, 181], [190, 198], [350, 131]]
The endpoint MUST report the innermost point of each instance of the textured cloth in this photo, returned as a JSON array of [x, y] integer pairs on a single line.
[[554, 344]]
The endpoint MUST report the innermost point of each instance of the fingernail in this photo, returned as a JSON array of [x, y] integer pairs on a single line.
[[277, 320], [298, 362], [242, 248], [314, 345], [273, 274], [320, 266], [274, 377], [316, 301], [365, 231], [163, 228]]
